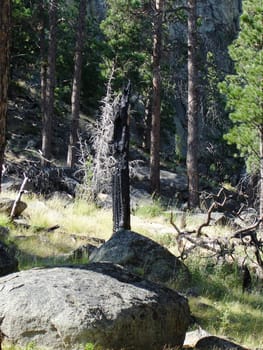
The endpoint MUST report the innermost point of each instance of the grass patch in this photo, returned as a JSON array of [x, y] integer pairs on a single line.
[[150, 210], [77, 221], [221, 308]]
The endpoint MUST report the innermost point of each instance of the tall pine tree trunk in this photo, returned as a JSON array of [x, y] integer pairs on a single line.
[[76, 86], [261, 176], [192, 138], [146, 137], [4, 67], [43, 57], [48, 115], [156, 98]]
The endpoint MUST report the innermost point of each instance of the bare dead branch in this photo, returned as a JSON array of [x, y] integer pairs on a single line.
[[52, 228], [174, 225], [243, 232], [210, 210], [221, 247], [18, 198]]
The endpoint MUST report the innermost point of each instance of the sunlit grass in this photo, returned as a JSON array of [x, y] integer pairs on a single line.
[[75, 222], [221, 307], [150, 210], [240, 320], [72, 217]]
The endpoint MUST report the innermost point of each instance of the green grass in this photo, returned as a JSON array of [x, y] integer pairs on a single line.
[[221, 308], [150, 210], [77, 221]]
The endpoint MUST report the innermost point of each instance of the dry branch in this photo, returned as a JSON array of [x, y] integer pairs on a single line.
[[213, 206], [18, 198], [246, 231], [221, 247]]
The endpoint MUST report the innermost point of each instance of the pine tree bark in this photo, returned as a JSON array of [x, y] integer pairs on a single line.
[[146, 137], [76, 86], [42, 27], [192, 138], [43, 57], [156, 98], [261, 176], [4, 68], [48, 115]]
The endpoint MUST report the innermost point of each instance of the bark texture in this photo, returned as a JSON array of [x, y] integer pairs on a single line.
[[4, 67], [50, 84], [192, 138], [43, 56], [261, 176], [120, 178], [75, 96], [156, 98]]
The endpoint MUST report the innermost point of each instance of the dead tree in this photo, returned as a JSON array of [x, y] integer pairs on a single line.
[[120, 152], [226, 248]]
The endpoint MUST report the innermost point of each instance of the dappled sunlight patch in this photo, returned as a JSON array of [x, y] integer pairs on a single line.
[[221, 308]]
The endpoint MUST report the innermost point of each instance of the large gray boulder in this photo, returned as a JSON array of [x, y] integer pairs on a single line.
[[68, 307], [142, 256], [8, 262]]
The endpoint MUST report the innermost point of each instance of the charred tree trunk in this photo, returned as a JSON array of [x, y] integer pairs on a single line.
[[4, 68], [156, 98], [48, 115], [120, 178], [192, 138], [75, 96]]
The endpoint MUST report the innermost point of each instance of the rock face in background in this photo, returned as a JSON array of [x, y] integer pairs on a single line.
[[97, 8], [218, 27], [66, 308], [142, 256], [223, 15]]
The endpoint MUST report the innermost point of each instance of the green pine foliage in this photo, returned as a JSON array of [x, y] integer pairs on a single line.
[[244, 90], [127, 30]]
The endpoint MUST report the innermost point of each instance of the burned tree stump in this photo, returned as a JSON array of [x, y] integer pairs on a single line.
[[120, 152]]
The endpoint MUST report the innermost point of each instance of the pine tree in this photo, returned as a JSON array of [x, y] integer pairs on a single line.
[[192, 138], [76, 85], [4, 67], [244, 90], [50, 84], [156, 98]]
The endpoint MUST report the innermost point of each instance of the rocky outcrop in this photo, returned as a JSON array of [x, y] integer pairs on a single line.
[[213, 342], [218, 25], [143, 256], [202, 340], [97, 8], [66, 308], [8, 262]]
